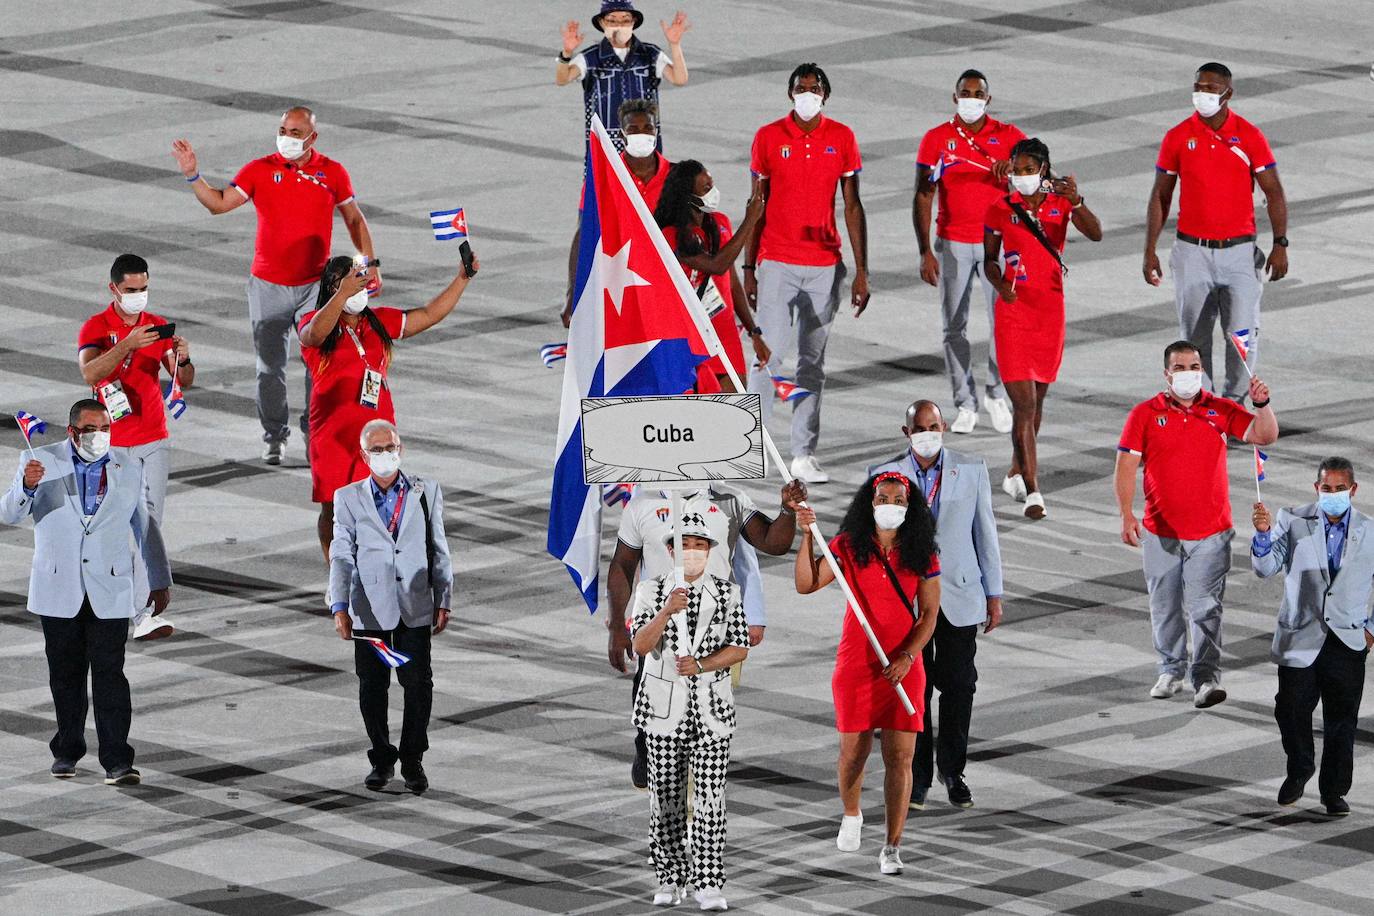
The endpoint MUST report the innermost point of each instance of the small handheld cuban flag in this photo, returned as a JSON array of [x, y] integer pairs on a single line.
[[552, 353], [1015, 269], [945, 162], [1241, 339], [171, 395], [30, 425], [617, 494], [1260, 458], [388, 655], [449, 224], [787, 390]]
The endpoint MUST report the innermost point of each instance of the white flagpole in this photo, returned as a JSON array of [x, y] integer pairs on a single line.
[[684, 642], [708, 334]]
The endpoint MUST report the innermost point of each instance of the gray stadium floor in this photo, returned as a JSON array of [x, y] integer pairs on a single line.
[[1091, 799]]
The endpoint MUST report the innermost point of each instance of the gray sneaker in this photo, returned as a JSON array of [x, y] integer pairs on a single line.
[[272, 452]]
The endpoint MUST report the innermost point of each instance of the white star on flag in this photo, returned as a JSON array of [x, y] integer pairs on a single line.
[[616, 275]]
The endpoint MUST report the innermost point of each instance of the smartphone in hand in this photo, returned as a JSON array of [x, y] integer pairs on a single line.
[[465, 252], [165, 331]]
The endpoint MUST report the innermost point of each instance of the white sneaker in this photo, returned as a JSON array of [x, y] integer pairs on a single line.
[[146, 626], [1000, 412], [668, 895], [1167, 686], [890, 861], [1209, 694], [1035, 506], [1015, 487], [710, 898], [848, 839], [965, 421], [808, 470]]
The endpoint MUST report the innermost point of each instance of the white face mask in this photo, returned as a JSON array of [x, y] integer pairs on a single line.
[[710, 201], [888, 516], [356, 302], [1207, 103], [384, 464], [693, 563], [970, 110], [290, 147], [619, 34], [1026, 185], [640, 146], [93, 446], [807, 104], [134, 303], [1185, 385], [927, 444]]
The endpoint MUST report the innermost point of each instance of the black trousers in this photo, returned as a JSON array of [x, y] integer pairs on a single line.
[[76, 647], [1336, 678], [641, 743], [416, 678], [948, 661]]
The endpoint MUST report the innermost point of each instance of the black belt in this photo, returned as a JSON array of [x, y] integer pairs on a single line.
[[1216, 243]]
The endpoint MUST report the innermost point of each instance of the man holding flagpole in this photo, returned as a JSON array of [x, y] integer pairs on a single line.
[[1180, 437], [122, 353], [390, 588]]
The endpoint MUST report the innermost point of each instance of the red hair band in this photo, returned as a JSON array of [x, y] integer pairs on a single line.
[[892, 477]]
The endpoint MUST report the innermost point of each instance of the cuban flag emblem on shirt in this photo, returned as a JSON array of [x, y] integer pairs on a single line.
[[785, 152], [449, 224], [631, 333]]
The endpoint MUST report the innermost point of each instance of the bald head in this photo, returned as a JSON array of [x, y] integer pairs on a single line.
[[923, 416]]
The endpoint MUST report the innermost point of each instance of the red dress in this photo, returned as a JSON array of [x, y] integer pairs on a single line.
[[336, 416], [864, 700], [1030, 331], [727, 329]]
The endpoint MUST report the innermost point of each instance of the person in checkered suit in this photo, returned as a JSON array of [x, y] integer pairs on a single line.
[[690, 636]]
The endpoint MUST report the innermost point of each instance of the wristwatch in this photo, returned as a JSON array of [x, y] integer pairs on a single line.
[[564, 58], [182, 364], [756, 331], [701, 669], [1281, 241]]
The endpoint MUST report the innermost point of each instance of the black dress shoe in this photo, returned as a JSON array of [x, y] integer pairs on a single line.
[[63, 769], [128, 776], [416, 780], [1336, 806], [639, 770], [918, 797], [379, 777], [1291, 791], [959, 794]]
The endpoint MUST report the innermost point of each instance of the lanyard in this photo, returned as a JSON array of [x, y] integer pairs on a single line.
[[973, 144], [99, 490], [362, 354], [394, 525], [935, 489]]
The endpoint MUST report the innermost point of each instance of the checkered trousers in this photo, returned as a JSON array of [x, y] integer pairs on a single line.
[[688, 852]]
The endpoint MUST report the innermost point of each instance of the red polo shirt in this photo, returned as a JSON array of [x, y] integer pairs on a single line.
[[1216, 169], [295, 214], [139, 375], [966, 189], [650, 190], [1183, 451], [803, 172]]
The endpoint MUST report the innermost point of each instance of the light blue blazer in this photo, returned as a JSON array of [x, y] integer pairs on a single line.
[[386, 582], [73, 560], [966, 532], [1314, 604]]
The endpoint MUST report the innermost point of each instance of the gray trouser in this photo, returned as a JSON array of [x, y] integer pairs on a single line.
[[961, 267], [1186, 581], [273, 311], [796, 307], [154, 458], [745, 570], [1225, 282]]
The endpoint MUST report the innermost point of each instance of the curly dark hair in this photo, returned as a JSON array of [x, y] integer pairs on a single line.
[[334, 272], [915, 539], [1035, 148], [675, 209]]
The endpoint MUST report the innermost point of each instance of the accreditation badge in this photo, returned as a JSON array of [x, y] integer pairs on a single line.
[[371, 392], [115, 400], [711, 300]]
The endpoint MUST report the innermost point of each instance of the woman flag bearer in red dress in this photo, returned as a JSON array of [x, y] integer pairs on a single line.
[[1028, 227], [886, 546], [706, 247], [346, 344]]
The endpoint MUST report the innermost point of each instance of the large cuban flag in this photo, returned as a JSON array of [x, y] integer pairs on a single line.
[[631, 333]]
